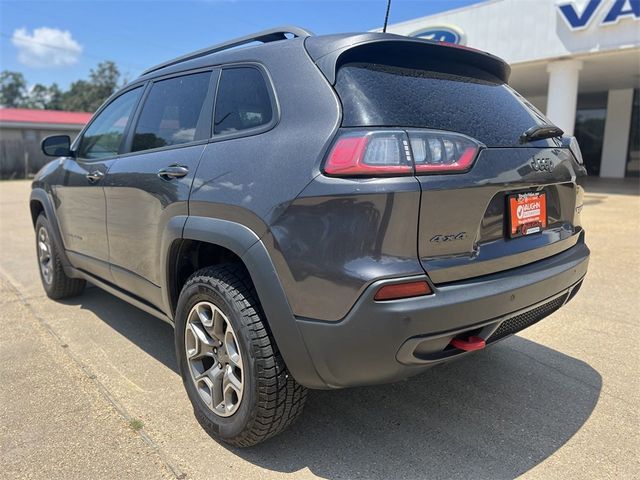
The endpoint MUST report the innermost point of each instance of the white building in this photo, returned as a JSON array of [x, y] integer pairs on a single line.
[[579, 62]]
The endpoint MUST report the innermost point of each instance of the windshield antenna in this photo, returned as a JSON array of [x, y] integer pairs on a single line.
[[386, 17]]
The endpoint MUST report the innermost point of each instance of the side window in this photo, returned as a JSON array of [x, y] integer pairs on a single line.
[[102, 138], [173, 111], [243, 100]]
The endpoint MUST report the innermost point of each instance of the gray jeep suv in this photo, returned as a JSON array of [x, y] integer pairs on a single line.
[[315, 212]]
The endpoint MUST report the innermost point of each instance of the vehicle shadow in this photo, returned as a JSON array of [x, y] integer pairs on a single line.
[[149, 333], [495, 414]]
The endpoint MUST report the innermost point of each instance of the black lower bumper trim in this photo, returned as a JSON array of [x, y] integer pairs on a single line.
[[526, 319]]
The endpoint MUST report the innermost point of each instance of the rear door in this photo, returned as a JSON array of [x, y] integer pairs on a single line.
[[465, 214], [149, 184]]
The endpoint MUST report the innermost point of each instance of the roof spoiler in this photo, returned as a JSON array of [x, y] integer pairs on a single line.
[[329, 52], [265, 36]]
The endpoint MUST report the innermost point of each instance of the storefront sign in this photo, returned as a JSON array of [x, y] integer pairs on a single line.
[[618, 9], [441, 33]]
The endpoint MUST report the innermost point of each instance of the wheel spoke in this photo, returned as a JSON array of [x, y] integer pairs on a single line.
[[231, 347], [231, 389], [219, 326], [230, 380], [205, 314], [203, 336], [214, 374], [206, 389], [192, 343]]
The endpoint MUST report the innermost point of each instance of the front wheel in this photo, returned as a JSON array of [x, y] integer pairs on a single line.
[[234, 375], [56, 283]]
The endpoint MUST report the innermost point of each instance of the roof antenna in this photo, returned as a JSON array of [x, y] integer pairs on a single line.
[[386, 17]]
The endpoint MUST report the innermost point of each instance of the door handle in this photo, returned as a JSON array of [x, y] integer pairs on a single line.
[[94, 176], [173, 171]]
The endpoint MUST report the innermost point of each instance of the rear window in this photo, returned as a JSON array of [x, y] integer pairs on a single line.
[[483, 108], [243, 101], [172, 113]]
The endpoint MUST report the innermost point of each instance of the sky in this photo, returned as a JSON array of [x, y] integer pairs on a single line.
[[60, 41]]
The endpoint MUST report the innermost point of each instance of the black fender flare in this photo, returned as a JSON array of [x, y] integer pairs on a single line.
[[244, 242], [41, 196]]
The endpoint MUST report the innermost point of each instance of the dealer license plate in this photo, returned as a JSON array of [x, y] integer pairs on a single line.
[[527, 213]]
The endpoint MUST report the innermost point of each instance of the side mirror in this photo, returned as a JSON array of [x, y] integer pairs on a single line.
[[57, 146]]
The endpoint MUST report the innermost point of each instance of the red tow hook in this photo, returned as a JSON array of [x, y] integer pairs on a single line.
[[469, 344]]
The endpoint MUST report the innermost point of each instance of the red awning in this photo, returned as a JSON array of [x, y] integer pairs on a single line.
[[26, 115]]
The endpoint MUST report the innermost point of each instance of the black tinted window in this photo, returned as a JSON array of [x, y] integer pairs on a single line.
[[103, 137], [173, 112], [483, 108], [243, 100]]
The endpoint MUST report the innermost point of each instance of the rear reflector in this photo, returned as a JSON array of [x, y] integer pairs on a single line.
[[398, 152], [403, 290]]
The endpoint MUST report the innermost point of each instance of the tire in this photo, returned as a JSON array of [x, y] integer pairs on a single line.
[[55, 282], [269, 399]]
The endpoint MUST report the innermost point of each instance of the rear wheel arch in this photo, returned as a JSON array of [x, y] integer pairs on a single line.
[[206, 242], [195, 242], [187, 256]]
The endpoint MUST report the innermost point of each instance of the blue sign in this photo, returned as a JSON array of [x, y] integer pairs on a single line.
[[440, 33], [580, 20]]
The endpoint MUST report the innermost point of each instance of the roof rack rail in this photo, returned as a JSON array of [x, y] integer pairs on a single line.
[[265, 36]]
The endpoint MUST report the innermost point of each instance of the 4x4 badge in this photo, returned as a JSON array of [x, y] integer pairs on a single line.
[[448, 238]]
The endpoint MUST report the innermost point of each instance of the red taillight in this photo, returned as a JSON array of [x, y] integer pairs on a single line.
[[399, 152], [403, 290], [371, 153], [442, 152], [463, 162]]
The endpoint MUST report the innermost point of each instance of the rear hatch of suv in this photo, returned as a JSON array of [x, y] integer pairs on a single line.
[[492, 197]]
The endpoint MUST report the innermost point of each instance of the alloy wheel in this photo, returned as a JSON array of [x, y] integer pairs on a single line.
[[44, 255], [214, 358]]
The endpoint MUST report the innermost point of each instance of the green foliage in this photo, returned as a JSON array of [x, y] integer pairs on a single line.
[[38, 97], [54, 101], [136, 424], [82, 95], [13, 89]]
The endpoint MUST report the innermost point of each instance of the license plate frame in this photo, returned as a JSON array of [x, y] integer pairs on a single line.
[[527, 213]]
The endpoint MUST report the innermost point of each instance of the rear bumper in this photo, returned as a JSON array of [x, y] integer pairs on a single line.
[[380, 342]]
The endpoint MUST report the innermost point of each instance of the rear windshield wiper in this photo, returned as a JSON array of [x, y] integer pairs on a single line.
[[538, 132]]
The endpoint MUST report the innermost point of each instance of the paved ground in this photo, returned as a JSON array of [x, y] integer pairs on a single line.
[[559, 401]]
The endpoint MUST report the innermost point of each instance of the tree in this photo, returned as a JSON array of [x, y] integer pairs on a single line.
[[104, 80], [38, 97], [88, 95], [79, 97], [55, 98], [82, 95], [13, 89], [106, 76]]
